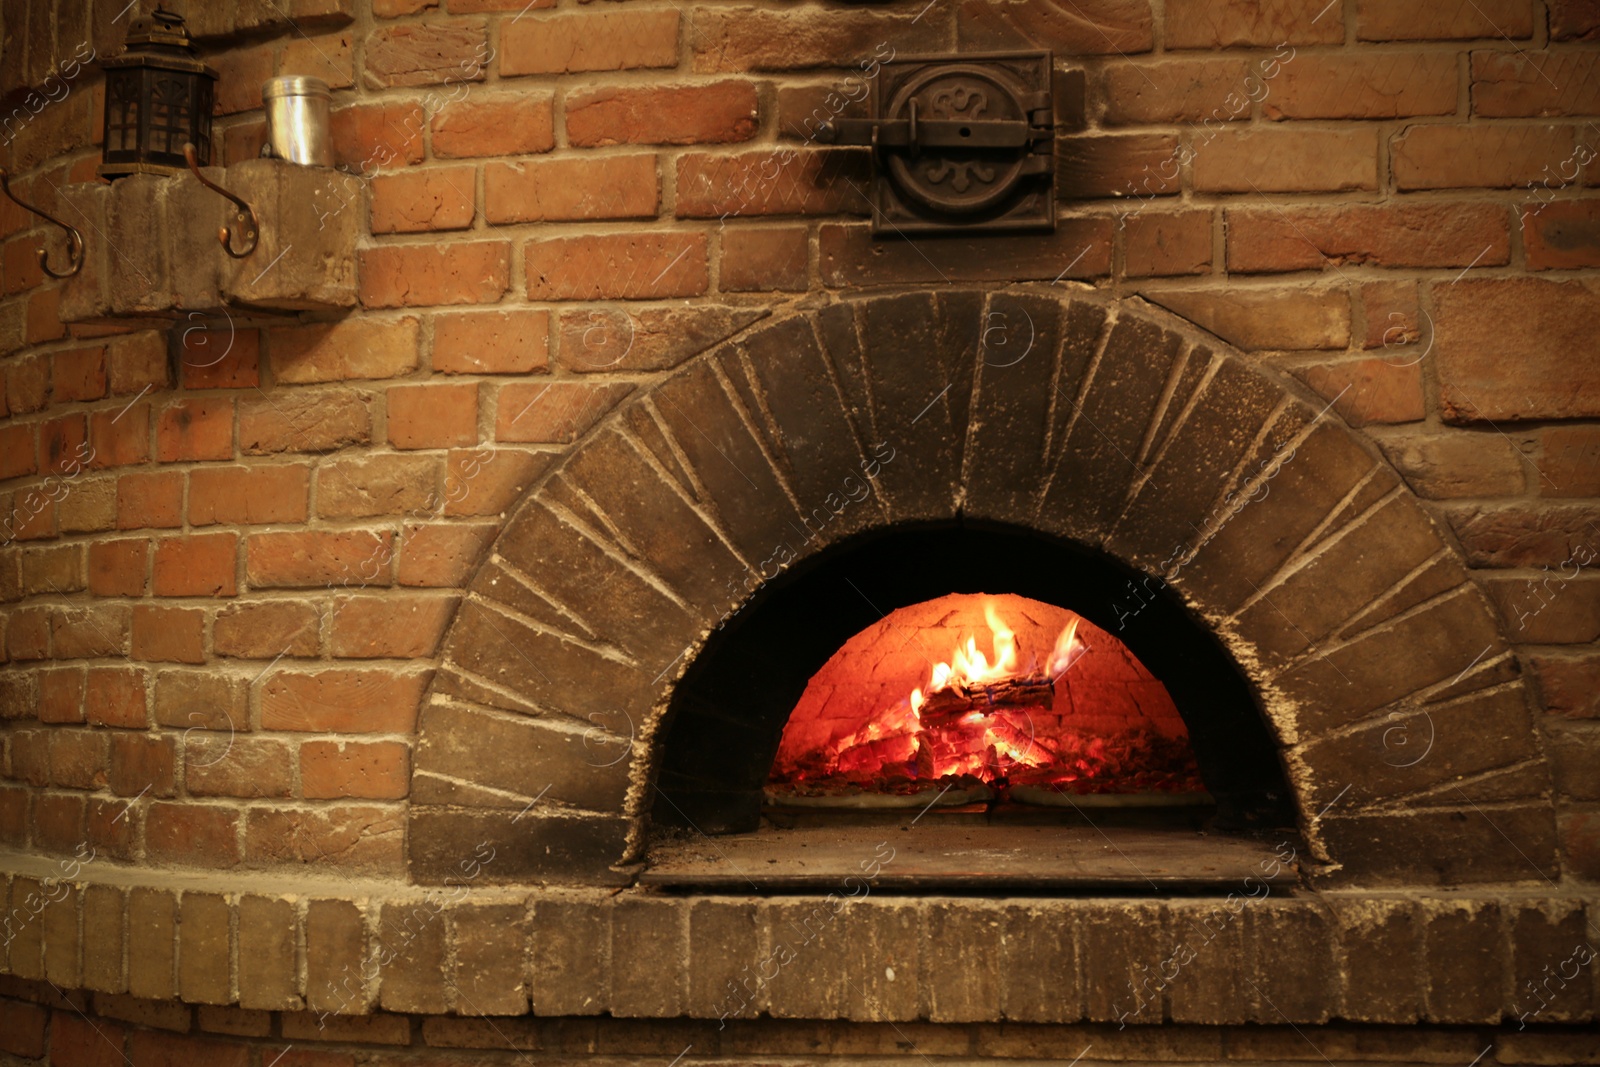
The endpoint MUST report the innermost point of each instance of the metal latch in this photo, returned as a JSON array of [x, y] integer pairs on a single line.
[[959, 142]]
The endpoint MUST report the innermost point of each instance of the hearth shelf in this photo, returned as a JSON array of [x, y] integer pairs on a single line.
[[942, 854]]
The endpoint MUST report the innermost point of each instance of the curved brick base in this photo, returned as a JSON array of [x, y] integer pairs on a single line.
[[1097, 421]]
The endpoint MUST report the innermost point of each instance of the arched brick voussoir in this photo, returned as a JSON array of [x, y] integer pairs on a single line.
[[505, 760], [797, 394], [1112, 412], [918, 353], [728, 473], [1219, 412], [1032, 353]]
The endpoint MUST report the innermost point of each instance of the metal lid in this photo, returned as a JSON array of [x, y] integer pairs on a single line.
[[161, 28], [293, 85]]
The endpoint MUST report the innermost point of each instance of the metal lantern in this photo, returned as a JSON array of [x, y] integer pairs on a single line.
[[158, 98]]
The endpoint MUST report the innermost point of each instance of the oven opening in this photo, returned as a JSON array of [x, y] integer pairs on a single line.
[[982, 702]]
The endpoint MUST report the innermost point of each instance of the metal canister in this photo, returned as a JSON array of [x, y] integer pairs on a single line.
[[297, 120]]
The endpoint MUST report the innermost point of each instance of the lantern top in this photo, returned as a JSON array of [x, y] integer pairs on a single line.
[[160, 39], [160, 27]]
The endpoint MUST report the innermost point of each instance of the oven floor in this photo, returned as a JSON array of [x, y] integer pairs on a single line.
[[942, 855]]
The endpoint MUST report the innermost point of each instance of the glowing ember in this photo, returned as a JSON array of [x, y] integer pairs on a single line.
[[1083, 717]]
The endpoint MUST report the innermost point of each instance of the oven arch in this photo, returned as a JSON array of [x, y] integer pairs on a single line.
[[1098, 422]]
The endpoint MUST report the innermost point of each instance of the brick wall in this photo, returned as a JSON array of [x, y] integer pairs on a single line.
[[233, 551]]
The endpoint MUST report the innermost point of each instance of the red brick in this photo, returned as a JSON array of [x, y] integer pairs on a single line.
[[771, 182], [78, 758], [241, 70], [1178, 90], [143, 765], [22, 1028], [553, 413], [334, 351], [363, 486], [636, 266], [1535, 83], [228, 766], [61, 695], [1092, 167], [58, 820], [192, 833], [28, 383], [427, 53], [318, 420], [603, 40], [195, 429], [75, 1041], [1574, 20], [1570, 464], [699, 114], [317, 558], [476, 272], [371, 770], [78, 374], [1503, 349], [341, 701], [44, 317], [266, 630], [120, 438], [1405, 235], [150, 499], [1255, 319], [504, 124], [1227, 23], [491, 342], [220, 359], [118, 568], [115, 696], [201, 700], [1561, 235], [1382, 86], [1569, 685], [443, 555], [1370, 390], [203, 565], [432, 416], [21, 264], [392, 627], [438, 198], [489, 481], [370, 136], [327, 56], [1287, 161], [150, 1048], [1430, 20], [727, 38], [1166, 243], [63, 445], [1080, 248], [168, 635], [94, 631], [17, 451], [1453, 156], [248, 495], [53, 569], [138, 360], [559, 190], [764, 260], [356, 837]]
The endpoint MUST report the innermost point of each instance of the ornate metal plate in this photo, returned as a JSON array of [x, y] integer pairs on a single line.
[[960, 143]]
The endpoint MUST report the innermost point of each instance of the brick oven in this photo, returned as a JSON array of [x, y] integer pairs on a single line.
[[609, 576]]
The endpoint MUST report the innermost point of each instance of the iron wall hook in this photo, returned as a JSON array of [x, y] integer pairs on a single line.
[[74, 238], [246, 213]]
